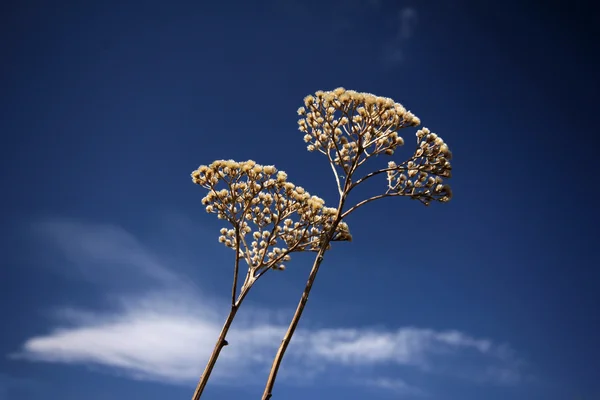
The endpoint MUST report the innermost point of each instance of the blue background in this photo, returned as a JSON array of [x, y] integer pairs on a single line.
[[108, 106]]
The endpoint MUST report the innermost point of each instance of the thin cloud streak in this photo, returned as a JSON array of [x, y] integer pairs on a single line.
[[100, 251], [408, 21], [395, 385], [167, 334], [153, 339], [395, 49]]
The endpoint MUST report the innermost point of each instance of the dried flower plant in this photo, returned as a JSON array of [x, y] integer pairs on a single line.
[[269, 219], [351, 128]]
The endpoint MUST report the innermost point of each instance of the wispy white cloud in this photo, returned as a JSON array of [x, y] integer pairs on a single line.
[[405, 346], [394, 50], [384, 25], [102, 251], [396, 25], [167, 334], [407, 18], [395, 385]]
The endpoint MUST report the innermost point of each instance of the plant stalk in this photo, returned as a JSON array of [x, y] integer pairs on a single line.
[[268, 392], [221, 342], [292, 327]]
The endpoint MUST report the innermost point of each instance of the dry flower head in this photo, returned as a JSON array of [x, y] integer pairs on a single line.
[[351, 127], [270, 216]]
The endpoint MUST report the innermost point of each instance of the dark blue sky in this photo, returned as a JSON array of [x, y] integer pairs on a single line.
[[113, 282]]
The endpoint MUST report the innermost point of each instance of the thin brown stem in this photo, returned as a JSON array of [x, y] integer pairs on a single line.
[[237, 265], [292, 327], [337, 178], [362, 203], [399, 167], [327, 237], [291, 249], [221, 342]]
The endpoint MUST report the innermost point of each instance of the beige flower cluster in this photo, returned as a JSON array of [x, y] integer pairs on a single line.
[[285, 218], [346, 125], [421, 177], [350, 127]]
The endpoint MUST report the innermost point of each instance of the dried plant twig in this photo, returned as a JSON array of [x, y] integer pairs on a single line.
[[270, 218], [351, 128]]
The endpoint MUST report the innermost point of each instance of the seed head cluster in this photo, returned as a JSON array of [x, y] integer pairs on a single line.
[[351, 127], [347, 125], [270, 217], [421, 177]]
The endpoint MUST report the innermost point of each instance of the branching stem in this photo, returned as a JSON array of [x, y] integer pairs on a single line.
[[221, 342]]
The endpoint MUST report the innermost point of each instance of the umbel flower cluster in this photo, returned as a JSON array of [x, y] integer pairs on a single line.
[[421, 177], [351, 127], [269, 216]]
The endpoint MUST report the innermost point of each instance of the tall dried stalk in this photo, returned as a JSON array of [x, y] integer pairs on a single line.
[[350, 128], [282, 214]]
